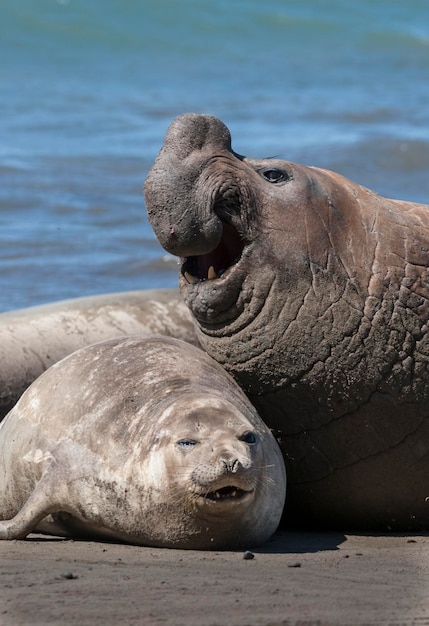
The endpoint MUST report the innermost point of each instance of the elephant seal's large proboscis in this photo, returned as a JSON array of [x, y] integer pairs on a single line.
[[143, 440], [33, 339], [314, 293]]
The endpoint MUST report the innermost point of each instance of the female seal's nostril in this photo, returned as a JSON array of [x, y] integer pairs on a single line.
[[231, 465]]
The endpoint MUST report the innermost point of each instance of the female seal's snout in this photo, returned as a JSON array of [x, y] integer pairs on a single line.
[[231, 465]]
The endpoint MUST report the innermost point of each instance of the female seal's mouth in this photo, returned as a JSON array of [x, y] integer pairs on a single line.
[[226, 493], [213, 265]]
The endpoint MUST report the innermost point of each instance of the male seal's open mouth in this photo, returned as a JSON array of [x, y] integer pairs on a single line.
[[214, 264]]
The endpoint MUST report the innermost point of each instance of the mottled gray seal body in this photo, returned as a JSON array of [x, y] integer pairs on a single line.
[[33, 339], [146, 440], [313, 292]]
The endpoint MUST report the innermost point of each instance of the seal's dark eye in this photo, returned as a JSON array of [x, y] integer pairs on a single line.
[[274, 175], [248, 437], [186, 444]]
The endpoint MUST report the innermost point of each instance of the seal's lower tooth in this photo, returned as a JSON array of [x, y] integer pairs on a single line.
[[211, 274], [192, 280]]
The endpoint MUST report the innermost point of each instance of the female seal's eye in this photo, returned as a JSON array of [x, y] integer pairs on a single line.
[[248, 437], [273, 175], [187, 443]]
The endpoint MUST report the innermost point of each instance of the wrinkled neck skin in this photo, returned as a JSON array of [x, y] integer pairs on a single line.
[[312, 291], [275, 318]]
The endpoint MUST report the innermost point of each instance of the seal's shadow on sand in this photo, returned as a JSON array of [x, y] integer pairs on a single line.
[[296, 542], [302, 542]]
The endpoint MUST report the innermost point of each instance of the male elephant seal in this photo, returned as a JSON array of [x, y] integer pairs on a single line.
[[143, 440], [314, 293]]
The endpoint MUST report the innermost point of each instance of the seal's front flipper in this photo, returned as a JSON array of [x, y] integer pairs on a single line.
[[38, 506]]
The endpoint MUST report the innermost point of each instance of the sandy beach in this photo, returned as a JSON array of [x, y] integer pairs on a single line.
[[296, 578]]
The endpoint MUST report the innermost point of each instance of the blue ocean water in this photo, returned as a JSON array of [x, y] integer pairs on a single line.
[[89, 88]]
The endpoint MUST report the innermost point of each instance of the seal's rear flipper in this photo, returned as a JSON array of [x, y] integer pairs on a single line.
[[37, 507]]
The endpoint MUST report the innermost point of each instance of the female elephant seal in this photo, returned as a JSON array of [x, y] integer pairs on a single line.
[[33, 339], [314, 293], [145, 440]]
